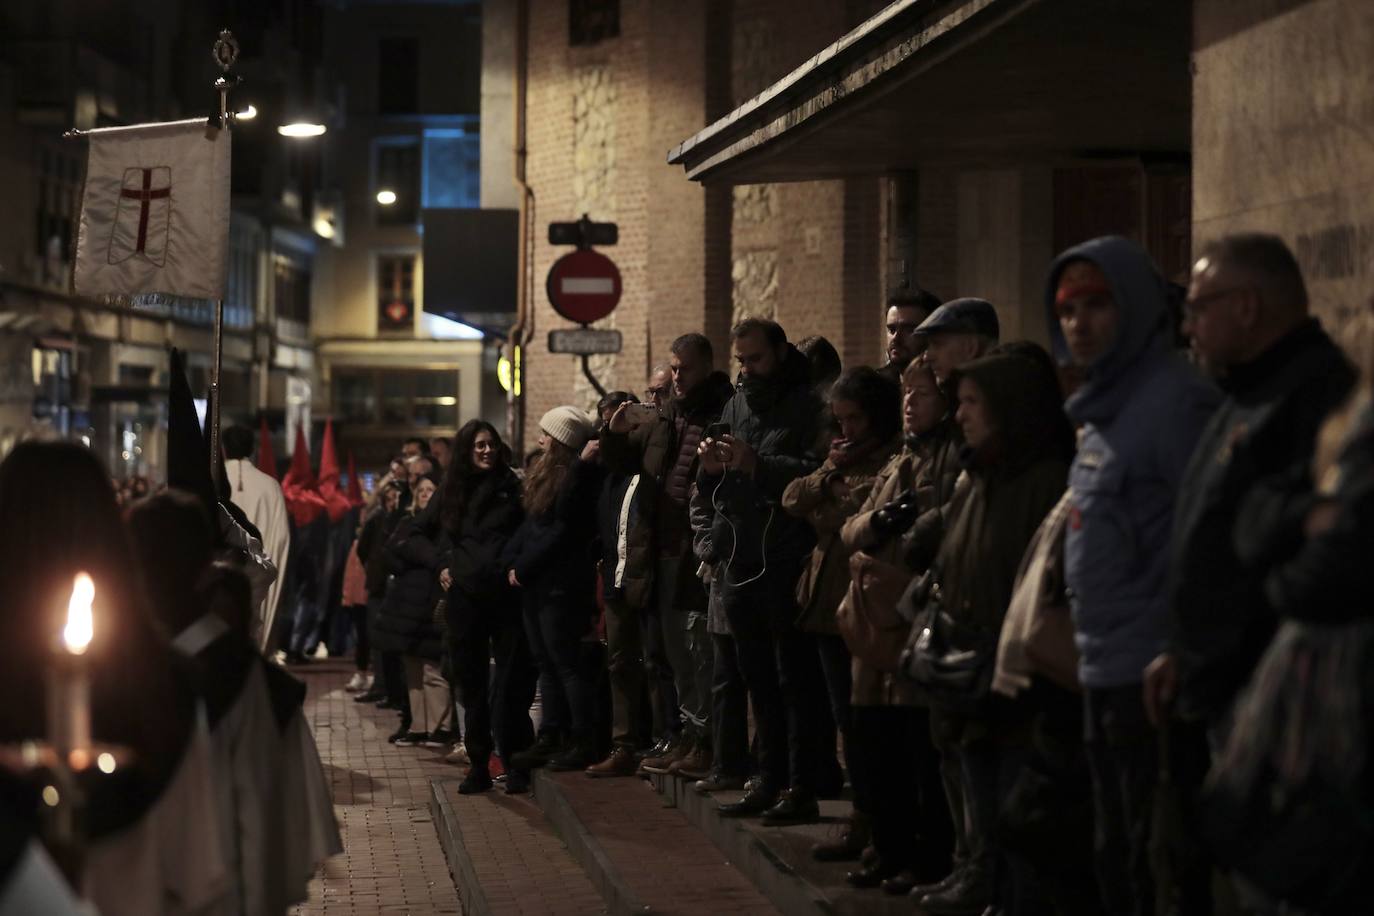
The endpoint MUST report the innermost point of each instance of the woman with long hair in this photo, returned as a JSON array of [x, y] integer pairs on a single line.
[[479, 511], [553, 560]]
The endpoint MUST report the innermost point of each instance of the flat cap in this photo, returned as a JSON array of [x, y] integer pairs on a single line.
[[962, 316]]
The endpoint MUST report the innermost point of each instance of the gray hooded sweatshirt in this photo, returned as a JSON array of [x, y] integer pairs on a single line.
[[1142, 408]]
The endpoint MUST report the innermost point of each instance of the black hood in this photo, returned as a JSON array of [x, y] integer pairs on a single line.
[[188, 465]]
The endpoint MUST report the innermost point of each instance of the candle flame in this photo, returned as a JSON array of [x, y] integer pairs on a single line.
[[80, 621]]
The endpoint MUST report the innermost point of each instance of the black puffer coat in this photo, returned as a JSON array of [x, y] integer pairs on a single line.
[[491, 514], [406, 623]]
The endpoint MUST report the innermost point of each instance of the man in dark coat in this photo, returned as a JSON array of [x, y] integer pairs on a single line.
[[774, 437], [663, 452], [1247, 315]]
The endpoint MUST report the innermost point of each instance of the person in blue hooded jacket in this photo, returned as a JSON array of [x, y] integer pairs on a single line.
[[1142, 408]]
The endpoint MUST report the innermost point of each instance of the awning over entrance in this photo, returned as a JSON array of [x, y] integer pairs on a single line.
[[965, 82]]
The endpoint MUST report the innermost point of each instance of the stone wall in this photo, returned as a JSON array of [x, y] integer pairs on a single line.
[[1283, 136]]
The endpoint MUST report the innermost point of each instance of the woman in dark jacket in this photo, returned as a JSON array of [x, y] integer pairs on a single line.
[[553, 560], [1018, 445], [380, 521], [406, 624], [479, 511]]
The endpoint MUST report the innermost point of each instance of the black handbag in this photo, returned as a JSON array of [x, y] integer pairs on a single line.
[[936, 657]]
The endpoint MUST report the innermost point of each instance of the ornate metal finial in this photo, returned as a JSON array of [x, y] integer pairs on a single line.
[[226, 50]]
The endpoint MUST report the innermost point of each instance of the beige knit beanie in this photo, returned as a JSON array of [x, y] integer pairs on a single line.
[[568, 425]]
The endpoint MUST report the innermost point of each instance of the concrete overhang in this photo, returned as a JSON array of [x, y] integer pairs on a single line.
[[965, 82]]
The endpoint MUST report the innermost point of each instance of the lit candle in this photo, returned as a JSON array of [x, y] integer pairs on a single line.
[[69, 694]]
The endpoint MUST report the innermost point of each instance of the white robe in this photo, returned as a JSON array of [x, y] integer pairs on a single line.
[[312, 832], [260, 498], [247, 750], [171, 862]]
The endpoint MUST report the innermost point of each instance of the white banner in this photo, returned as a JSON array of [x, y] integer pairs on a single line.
[[155, 211]]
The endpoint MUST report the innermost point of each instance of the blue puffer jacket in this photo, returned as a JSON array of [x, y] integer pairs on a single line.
[[1142, 408]]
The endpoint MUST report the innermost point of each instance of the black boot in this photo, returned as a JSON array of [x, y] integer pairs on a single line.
[[578, 755], [968, 895], [476, 782], [755, 801], [531, 758], [795, 806]]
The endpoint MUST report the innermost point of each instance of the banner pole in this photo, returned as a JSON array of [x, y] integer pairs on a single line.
[[225, 53]]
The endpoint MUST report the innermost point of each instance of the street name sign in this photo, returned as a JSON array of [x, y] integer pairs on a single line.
[[584, 341]]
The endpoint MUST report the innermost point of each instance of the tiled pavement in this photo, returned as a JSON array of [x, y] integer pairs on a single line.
[[391, 861]]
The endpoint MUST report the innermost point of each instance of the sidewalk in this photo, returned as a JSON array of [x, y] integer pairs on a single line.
[[392, 861]]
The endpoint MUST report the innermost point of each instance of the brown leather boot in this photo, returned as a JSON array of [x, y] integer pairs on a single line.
[[659, 765], [696, 765], [622, 762], [849, 845]]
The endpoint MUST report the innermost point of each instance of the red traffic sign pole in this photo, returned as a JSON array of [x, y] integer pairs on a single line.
[[584, 286]]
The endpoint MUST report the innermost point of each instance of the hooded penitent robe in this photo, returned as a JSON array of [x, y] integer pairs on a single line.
[[261, 499]]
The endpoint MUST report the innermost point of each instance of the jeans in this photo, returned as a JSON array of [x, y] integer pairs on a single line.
[[625, 650], [555, 626], [780, 667], [729, 709], [362, 650], [692, 706], [1123, 754], [702, 651]]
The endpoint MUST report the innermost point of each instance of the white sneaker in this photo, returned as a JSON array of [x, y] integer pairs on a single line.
[[357, 683], [458, 755], [321, 651]]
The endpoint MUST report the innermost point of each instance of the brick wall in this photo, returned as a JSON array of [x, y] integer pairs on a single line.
[[601, 120]]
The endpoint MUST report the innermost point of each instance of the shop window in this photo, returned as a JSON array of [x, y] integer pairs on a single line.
[[591, 21], [405, 398], [398, 76], [396, 294], [398, 171]]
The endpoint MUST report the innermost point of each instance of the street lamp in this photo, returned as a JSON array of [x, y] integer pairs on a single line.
[[247, 114], [386, 197], [301, 129]]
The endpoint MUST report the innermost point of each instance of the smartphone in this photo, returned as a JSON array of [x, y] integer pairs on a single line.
[[639, 414], [716, 430]]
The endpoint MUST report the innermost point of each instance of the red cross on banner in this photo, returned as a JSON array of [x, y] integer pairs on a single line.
[[155, 211], [146, 195]]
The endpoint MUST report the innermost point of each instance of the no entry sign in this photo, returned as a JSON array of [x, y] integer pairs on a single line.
[[584, 286]]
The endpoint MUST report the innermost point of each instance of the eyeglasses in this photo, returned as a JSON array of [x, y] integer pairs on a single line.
[[1195, 306]]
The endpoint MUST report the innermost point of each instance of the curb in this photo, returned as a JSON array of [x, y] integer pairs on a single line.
[[470, 896], [585, 848]]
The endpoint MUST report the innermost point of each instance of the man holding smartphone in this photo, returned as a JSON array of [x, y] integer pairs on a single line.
[[662, 449], [775, 421]]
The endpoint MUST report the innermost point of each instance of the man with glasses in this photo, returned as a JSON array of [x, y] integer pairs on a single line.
[[905, 312], [1248, 480]]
